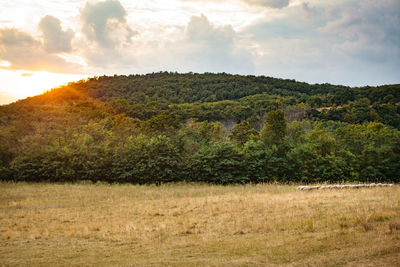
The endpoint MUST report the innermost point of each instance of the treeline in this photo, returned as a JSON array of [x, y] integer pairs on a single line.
[[119, 149], [176, 88], [215, 128]]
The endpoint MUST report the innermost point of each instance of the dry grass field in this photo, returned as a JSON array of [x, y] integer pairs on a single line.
[[197, 225]]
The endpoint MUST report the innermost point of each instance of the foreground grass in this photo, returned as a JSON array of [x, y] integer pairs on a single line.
[[196, 225]]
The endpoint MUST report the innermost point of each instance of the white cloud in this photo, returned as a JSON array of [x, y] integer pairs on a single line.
[[210, 48], [55, 39], [105, 23], [24, 52], [199, 46], [202, 47]]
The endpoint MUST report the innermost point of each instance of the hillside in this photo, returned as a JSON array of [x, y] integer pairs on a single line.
[[217, 128]]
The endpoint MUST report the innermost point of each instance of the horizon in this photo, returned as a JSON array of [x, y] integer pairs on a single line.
[[45, 45]]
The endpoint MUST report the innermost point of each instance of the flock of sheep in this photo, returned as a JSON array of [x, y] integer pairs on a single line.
[[305, 187]]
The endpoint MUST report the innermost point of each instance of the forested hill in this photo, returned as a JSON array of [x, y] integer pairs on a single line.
[[95, 129], [175, 88], [224, 97]]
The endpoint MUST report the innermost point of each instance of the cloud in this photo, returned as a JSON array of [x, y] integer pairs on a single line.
[[344, 41], [268, 3], [105, 24], [107, 35], [203, 47], [26, 74], [55, 39], [350, 42], [212, 48], [367, 29], [259, 3], [200, 29], [200, 47], [23, 52]]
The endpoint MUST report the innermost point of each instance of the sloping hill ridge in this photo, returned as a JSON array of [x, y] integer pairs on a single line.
[[95, 129], [144, 96]]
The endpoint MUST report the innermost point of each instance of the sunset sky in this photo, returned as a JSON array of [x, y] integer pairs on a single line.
[[44, 44]]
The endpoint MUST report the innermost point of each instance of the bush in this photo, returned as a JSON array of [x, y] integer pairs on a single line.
[[149, 160], [219, 163]]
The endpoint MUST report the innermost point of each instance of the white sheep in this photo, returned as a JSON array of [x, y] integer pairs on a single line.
[[304, 187]]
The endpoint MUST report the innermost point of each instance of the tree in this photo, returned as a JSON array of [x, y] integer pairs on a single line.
[[219, 162], [149, 160], [274, 130], [161, 124], [5, 158], [242, 132]]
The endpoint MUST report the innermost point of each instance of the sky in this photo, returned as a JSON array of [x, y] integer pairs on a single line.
[[47, 43]]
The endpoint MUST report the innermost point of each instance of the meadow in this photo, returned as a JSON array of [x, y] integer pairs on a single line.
[[99, 224]]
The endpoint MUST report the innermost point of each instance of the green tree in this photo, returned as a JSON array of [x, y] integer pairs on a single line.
[[242, 132], [219, 162], [254, 157], [161, 124], [5, 159], [323, 142], [149, 160], [274, 130]]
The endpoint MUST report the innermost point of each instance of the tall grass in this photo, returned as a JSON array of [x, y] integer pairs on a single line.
[[192, 225]]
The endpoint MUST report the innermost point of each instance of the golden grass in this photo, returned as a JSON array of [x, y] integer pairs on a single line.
[[197, 225]]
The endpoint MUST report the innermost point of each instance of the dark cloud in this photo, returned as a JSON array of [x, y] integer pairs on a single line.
[[260, 3], [310, 11], [105, 23], [367, 29], [55, 39], [24, 52], [269, 3]]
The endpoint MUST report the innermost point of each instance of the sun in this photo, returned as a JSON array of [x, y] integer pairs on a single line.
[[22, 84]]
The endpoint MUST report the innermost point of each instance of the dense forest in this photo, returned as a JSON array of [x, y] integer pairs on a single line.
[[215, 128]]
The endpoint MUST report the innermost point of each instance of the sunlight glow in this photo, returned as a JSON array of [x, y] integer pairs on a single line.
[[22, 84], [4, 64]]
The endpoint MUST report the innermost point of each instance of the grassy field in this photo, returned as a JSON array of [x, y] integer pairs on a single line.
[[197, 225]]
